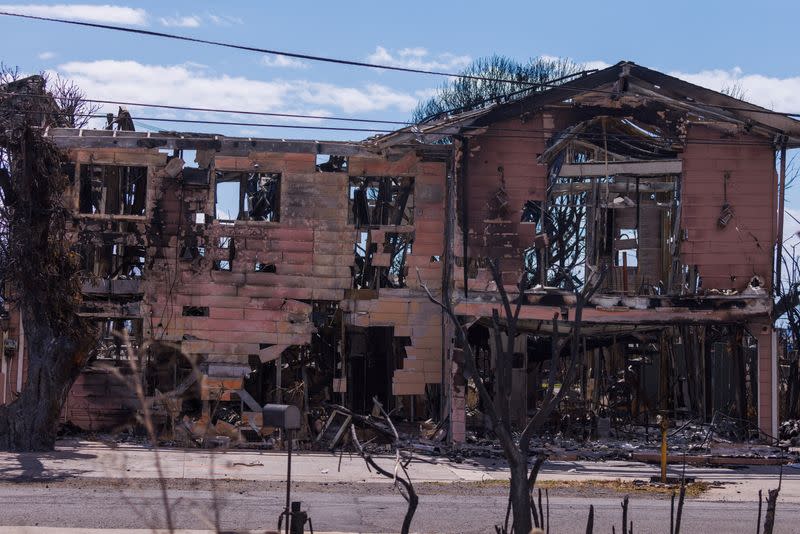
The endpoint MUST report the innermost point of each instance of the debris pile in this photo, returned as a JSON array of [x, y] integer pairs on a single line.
[[790, 433]]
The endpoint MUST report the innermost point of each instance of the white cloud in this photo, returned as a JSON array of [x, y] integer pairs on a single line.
[[170, 84], [44, 56], [780, 94], [282, 61], [596, 64], [224, 20], [187, 21], [418, 58], [85, 12]]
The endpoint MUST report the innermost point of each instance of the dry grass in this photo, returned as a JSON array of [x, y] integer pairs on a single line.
[[694, 489]]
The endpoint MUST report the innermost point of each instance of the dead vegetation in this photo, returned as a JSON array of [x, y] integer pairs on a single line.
[[39, 270]]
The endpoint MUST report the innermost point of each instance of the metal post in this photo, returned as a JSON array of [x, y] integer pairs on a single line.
[[288, 479], [664, 427]]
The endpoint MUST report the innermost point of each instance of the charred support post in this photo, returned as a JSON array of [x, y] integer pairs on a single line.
[[445, 393], [464, 211], [779, 238]]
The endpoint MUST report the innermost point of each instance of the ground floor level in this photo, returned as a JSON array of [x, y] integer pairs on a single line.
[[725, 366], [245, 490]]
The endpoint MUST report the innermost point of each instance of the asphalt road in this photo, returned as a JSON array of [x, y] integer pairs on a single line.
[[352, 508]]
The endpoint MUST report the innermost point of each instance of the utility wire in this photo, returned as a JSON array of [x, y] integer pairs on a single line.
[[325, 59], [295, 55], [176, 107]]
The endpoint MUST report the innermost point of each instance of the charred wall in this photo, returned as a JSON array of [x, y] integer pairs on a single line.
[[231, 289], [740, 171]]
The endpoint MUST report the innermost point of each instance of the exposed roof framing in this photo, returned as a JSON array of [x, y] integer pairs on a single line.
[[625, 84], [68, 138], [79, 138]]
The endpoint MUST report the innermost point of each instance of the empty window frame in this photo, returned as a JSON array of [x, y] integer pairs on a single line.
[[399, 248], [225, 244], [106, 255], [381, 265], [114, 261], [112, 344], [381, 200], [113, 189], [250, 196], [264, 268], [331, 163]]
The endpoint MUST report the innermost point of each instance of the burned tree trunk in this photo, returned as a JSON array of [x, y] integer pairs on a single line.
[[516, 451], [520, 495], [54, 362], [37, 267]]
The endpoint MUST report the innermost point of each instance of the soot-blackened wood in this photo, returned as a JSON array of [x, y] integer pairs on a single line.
[[772, 502], [681, 498], [625, 515], [758, 521]]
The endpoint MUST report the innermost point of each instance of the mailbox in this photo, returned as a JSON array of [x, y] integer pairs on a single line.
[[283, 416]]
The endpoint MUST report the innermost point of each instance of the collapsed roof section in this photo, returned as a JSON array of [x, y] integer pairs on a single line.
[[623, 87]]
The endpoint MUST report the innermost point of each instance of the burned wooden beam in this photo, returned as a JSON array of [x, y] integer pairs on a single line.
[[582, 187], [637, 168], [67, 138]]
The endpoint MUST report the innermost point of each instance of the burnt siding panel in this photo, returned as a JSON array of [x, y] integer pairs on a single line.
[[311, 249], [523, 177], [728, 257]]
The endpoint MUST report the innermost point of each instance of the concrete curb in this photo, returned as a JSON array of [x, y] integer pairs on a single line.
[[60, 530]]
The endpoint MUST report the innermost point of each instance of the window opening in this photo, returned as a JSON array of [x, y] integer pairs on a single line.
[[253, 196], [113, 189], [225, 243], [331, 163], [110, 260], [383, 264], [110, 344], [383, 200], [265, 267]]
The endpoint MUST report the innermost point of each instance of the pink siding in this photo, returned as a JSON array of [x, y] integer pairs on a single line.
[[727, 258]]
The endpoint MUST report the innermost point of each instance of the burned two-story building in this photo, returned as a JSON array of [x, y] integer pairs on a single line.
[[293, 270]]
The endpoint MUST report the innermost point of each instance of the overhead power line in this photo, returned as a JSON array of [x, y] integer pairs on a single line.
[[176, 107], [310, 57], [295, 55]]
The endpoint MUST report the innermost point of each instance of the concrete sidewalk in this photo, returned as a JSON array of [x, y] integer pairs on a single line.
[[84, 459]]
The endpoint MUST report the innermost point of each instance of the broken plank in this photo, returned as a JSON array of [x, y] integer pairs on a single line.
[[622, 167]]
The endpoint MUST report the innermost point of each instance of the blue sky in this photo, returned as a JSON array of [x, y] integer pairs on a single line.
[[712, 43]]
